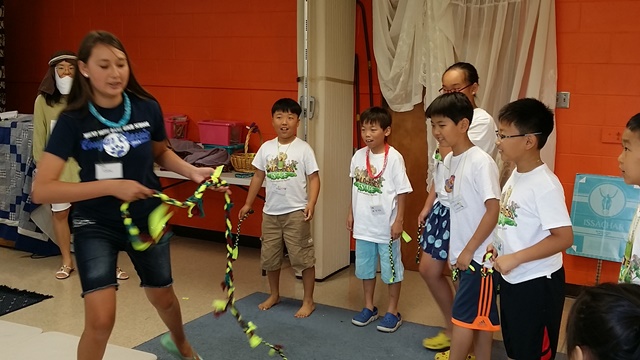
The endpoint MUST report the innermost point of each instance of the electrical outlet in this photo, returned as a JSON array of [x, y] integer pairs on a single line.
[[612, 136], [562, 100]]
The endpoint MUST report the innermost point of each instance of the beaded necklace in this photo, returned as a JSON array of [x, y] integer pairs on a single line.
[[449, 183], [125, 117], [281, 162], [384, 166]]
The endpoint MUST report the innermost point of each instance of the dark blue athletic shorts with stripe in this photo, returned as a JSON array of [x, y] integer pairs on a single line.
[[474, 306]]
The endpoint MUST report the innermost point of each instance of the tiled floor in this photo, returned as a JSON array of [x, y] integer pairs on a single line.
[[198, 269]]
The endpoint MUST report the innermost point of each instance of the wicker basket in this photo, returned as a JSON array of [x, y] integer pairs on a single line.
[[242, 161]]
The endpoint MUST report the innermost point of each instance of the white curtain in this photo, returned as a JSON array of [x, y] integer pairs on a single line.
[[397, 46], [512, 43]]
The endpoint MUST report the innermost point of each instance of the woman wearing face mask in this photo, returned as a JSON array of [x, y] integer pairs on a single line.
[[51, 100]]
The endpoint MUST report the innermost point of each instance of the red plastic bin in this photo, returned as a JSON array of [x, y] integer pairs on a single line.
[[176, 125], [220, 132]]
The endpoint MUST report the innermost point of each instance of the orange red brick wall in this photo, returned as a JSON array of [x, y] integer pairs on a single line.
[[599, 63], [226, 60]]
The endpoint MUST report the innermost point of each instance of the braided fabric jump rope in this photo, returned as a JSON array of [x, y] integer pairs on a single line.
[[157, 229], [486, 269], [221, 306], [407, 239]]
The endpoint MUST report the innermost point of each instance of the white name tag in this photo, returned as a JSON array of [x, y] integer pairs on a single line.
[[109, 171], [377, 210], [458, 204]]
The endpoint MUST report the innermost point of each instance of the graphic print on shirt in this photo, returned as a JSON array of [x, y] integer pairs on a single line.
[[117, 141], [508, 209], [365, 184], [278, 168], [630, 268]]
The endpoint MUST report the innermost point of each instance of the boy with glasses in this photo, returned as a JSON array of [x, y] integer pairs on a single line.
[[533, 230]]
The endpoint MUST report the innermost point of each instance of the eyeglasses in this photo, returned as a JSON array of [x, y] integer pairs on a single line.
[[502, 136], [449, 91]]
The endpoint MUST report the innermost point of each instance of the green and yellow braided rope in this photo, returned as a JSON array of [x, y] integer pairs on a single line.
[[419, 251], [220, 306], [161, 215], [157, 225]]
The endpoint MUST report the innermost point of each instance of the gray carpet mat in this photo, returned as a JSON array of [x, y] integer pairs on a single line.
[[326, 334]]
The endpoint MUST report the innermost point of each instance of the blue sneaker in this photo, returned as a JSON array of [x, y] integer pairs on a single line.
[[365, 317], [390, 323]]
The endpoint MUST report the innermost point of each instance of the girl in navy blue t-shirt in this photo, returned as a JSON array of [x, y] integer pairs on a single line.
[[115, 131]]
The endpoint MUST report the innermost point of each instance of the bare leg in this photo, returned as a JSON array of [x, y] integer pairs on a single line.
[[482, 341], [168, 307], [394, 297], [369, 286], [99, 318], [63, 235], [308, 283], [274, 286], [461, 342], [440, 287]]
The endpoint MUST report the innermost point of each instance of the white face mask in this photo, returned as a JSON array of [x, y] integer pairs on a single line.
[[63, 84]]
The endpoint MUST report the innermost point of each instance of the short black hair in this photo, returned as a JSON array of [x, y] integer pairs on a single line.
[[634, 123], [455, 106], [604, 320], [376, 115], [529, 116], [470, 72], [286, 105]]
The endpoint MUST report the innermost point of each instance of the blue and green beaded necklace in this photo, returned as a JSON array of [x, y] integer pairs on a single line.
[[125, 117]]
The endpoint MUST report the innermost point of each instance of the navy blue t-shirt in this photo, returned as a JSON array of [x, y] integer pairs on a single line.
[[80, 135]]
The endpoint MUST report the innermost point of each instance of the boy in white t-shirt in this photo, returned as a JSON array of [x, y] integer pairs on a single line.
[[289, 165], [376, 213], [629, 161], [471, 184], [534, 228]]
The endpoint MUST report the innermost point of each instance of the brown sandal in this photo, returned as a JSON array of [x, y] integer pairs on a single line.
[[64, 272]]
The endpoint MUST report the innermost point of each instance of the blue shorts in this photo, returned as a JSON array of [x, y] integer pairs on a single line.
[[96, 249], [367, 253], [435, 238], [474, 305]]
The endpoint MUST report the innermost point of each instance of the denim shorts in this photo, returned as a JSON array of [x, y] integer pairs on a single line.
[[97, 246], [367, 255]]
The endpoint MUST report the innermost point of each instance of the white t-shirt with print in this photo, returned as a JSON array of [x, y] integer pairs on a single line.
[[482, 131], [286, 175], [531, 204], [439, 172], [375, 201], [476, 181], [482, 134], [630, 268]]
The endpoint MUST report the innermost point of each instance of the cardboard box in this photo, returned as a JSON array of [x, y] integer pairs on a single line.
[[601, 212], [220, 132]]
